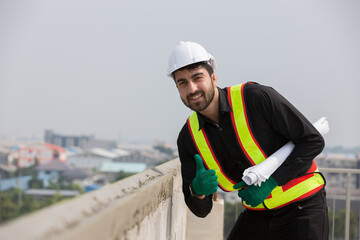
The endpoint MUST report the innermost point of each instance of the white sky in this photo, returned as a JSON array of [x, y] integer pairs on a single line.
[[99, 67]]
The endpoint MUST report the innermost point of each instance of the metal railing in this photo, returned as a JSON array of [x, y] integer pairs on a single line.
[[349, 173]]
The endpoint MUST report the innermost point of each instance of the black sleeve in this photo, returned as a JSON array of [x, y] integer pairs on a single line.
[[286, 120], [187, 151]]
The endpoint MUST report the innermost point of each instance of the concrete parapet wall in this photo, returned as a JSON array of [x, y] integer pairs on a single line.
[[148, 205], [209, 228]]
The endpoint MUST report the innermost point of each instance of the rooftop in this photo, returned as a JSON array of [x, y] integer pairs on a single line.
[[122, 166], [55, 165]]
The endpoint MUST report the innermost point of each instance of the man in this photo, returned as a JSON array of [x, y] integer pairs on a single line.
[[237, 127]]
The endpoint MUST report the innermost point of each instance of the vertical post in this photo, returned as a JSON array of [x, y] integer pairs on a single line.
[[347, 210], [333, 220], [358, 216], [236, 210], [19, 189]]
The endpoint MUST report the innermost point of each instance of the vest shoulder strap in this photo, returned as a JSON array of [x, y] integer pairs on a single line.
[[245, 137]]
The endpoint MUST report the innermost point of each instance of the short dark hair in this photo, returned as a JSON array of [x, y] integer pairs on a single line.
[[193, 66]]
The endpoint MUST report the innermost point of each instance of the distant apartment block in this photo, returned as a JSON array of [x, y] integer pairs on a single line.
[[81, 141], [66, 141], [4, 153]]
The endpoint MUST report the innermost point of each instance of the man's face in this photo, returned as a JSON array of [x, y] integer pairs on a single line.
[[196, 87]]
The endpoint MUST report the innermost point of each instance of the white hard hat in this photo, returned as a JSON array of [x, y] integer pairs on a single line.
[[186, 53]]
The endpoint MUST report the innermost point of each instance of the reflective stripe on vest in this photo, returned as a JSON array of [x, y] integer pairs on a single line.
[[297, 189], [205, 150], [246, 139]]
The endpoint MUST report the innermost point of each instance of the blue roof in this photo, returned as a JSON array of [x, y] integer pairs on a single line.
[[8, 183], [15, 147], [122, 166], [91, 187], [71, 149]]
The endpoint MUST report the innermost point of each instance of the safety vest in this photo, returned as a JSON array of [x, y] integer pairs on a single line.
[[295, 190]]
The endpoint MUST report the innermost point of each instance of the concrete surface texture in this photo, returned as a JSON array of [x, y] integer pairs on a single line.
[[148, 205], [208, 228]]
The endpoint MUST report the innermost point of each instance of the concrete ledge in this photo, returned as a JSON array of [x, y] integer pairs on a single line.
[[108, 213], [209, 228]]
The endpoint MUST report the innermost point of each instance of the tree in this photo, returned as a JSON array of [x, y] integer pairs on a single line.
[[9, 204], [15, 162], [122, 175], [76, 187], [35, 182], [54, 199], [29, 204], [8, 209], [339, 230]]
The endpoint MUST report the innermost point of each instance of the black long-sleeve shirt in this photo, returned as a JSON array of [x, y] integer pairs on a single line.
[[273, 120]]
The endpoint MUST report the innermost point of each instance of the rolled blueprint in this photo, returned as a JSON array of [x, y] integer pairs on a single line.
[[262, 171]]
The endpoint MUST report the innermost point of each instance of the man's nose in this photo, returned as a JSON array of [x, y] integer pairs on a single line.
[[192, 87]]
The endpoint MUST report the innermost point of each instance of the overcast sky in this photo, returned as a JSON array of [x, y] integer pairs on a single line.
[[99, 67]]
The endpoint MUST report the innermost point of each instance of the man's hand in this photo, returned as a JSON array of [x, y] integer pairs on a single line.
[[254, 195], [205, 181]]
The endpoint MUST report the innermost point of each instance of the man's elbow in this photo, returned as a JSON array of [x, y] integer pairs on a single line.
[[201, 214], [320, 144]]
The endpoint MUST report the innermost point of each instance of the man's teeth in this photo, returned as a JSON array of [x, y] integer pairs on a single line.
[[195, 97]]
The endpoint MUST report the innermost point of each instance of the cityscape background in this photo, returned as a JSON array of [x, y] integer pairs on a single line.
[[99, 68], [85, 100]]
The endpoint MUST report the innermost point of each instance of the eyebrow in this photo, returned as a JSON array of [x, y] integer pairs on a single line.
[[192, 76], [197, 74]]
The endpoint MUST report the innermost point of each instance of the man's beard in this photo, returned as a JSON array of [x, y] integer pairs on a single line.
[[200, 106]]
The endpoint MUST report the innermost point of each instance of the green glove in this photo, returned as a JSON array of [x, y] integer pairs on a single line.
[[205, 181], [254, 195]]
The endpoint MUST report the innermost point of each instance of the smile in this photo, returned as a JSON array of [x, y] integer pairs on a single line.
[[195, 97]]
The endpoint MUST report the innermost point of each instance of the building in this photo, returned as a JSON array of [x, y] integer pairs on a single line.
[[6, 170], [111, 169], [43, 153], [151, 157], [91, 159], [51, 172], [56, 171], [15, 182], [4, 155], [45, 193], [66, 141], [81, 141], [339, 160]]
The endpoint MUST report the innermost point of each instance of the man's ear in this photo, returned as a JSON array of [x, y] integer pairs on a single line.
[[214, 79]]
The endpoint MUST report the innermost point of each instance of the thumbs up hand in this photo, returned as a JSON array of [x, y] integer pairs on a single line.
[[205, 181]]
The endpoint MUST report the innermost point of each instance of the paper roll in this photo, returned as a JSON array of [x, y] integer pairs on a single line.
[[262, 171]]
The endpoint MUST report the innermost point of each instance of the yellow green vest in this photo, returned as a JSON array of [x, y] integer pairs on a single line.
[[296, 189]]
